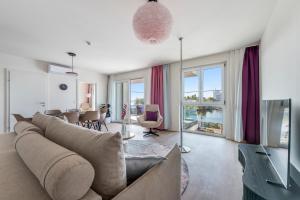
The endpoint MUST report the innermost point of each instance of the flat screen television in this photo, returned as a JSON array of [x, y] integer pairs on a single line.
[[276, 135]]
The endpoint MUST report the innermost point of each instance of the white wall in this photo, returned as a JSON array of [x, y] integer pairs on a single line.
[[14, 62], [280, 64], [62, 99]]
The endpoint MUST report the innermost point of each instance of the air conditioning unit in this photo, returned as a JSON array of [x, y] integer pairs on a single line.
[[58, 69]]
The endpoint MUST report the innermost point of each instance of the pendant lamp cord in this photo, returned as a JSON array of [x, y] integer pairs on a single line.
[[72, 64]]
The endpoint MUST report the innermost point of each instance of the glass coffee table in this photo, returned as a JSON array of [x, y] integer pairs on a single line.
[[128, 135]]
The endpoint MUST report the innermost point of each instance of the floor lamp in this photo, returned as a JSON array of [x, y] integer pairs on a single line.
[[184, 149]]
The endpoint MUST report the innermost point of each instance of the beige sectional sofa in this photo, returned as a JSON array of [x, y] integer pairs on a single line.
[[50, 159]]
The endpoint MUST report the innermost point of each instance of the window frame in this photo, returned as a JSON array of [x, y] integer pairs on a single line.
[[129, 90], [200, 70], [200, 102]]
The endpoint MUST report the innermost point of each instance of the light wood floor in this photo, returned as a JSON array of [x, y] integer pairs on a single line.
[[215, 173]]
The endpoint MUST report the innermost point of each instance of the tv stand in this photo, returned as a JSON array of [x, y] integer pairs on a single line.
[[260, 181], [263, 153], [276, 183]]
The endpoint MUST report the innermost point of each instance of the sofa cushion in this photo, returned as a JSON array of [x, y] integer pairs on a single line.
[[136, 166], [41, 120], [23, 126], [64, 174], [103, 150]]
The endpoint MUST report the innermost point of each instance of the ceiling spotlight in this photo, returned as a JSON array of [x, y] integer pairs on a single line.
[[88, 42]]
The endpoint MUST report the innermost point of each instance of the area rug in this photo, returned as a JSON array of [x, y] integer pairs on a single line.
[[142, 147]]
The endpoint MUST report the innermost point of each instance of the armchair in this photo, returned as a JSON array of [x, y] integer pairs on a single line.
[[144, 122]]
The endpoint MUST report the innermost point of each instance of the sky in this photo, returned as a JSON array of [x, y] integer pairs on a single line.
[[137, 91], [212, 80]]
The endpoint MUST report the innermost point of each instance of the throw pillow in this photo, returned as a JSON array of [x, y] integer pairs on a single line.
[[41, 120], [22, 126], [103, 150], [151, 116]]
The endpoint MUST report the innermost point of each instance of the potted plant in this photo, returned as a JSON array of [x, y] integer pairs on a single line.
[[201, 112]]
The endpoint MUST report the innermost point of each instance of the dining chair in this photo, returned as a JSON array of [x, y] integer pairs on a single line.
[[73, 110], [102, 121], [90, 119], [19, 118], [85, 107], [55, 113], [72, 117]]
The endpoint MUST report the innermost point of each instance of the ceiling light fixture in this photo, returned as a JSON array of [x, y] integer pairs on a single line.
[[152, 22], [72, 72], [88, 43]]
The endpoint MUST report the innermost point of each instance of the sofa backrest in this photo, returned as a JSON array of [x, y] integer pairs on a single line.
[[41, 120], [103, 150], [23, 126]]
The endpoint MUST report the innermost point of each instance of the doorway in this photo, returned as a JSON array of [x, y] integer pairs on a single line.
[[129, 95], [87, 96], [137, 98]]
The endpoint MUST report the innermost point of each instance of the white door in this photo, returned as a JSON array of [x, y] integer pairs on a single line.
[[27, 94], [62, 99]]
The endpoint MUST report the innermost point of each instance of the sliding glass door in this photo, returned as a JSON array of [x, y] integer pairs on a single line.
[[121, 98], [132, 94], [137, 99], [203, 99]]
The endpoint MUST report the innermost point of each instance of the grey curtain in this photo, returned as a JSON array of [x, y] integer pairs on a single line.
[[166, 85]]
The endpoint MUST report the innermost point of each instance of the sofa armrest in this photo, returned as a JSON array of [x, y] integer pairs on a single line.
[[162, 182]]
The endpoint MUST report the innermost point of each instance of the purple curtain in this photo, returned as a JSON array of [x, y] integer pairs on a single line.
[[157, 89], [250, 96]]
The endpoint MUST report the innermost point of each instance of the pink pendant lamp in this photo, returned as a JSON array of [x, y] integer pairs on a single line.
[[152, 22]]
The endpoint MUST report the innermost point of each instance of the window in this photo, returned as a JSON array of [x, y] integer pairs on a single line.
[[284, 136], [203, 99], [137, 94], [191, 91]]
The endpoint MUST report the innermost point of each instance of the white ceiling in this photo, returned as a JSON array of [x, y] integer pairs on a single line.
[[46, 29]]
